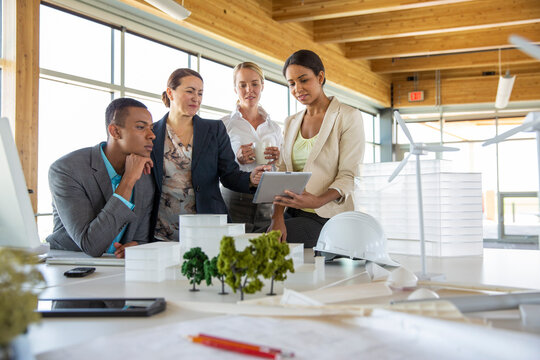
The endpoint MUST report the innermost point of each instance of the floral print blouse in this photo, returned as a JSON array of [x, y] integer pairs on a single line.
[[177, 196]]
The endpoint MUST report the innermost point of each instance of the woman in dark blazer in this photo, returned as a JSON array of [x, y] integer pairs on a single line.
[[191, 156]]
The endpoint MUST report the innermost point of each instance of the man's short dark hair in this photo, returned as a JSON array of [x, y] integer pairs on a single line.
[[117, 111]]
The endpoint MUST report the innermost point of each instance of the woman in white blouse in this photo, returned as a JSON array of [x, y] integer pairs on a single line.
[[249, 126]]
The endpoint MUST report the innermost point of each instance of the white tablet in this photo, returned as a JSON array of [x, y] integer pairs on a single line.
[[273, 184]]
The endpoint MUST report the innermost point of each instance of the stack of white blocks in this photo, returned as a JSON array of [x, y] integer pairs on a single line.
[[307, 273], [296, 253], [153, 262], [206, 232], [452, 207]]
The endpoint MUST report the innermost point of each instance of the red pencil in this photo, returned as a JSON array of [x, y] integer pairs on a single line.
[[248, 345], [231, 345]]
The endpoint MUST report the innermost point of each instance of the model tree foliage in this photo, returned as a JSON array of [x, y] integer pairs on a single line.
[[211, 270], [273, 264], [265, 256], [238, 267], [193, 266], [19, 280]]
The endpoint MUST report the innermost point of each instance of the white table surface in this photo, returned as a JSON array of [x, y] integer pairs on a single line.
[[514, 268]]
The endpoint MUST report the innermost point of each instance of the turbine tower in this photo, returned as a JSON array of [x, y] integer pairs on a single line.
[[418, 149]]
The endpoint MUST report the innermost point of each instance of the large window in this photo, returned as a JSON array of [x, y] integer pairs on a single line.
[[218, 85], [275, 101], [148, 64], [373, 138], [76, 46], [71, 117], [509, 171]]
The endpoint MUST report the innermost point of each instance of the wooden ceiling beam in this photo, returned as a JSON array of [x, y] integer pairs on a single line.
[[466, 90], [518, 70], [452, 61], [474, 15], [455, 42], [309, 10]]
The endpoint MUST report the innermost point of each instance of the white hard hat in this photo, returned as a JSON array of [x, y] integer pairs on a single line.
[[355, 235]]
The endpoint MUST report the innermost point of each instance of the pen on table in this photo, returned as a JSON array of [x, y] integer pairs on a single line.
[[244, 348]]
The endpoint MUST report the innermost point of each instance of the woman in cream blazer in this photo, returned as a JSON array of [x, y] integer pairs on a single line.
[[326, 139]]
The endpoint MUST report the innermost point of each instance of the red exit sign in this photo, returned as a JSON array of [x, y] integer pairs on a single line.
[[416, 96]]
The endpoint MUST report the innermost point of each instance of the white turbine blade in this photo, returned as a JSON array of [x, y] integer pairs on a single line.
[[399, 168], [527, 46], [532, 117], [507, 134], [403, 126], [439, 148]]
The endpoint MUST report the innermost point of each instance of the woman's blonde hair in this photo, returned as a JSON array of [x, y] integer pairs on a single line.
[[248, 65]]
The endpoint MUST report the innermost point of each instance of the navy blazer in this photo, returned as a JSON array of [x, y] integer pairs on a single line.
[[212, 161]]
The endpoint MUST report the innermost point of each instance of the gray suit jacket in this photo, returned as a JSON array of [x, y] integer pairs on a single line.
[[86, 215]]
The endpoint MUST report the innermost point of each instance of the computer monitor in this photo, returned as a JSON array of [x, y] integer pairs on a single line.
[[17, 223]]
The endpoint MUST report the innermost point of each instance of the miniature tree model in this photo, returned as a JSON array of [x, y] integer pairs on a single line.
[[231, 264], [252, 283], [238, 267], [276, 266], [193, 267], [260, 250], [211, 270]]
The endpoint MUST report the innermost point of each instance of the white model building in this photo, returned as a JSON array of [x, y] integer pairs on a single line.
[[452, 207]]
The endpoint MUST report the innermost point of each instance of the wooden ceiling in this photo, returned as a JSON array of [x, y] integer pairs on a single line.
[[405, 39], [386, 29], [382, 49]]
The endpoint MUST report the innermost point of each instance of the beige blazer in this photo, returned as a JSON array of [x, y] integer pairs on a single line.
[[335, 158]]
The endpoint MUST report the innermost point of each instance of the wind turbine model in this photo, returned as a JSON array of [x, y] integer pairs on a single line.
[[418, 149], [530, 124], [532, 120], [526, 46]]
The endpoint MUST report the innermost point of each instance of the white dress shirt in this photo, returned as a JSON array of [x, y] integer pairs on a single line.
[[242, 132]]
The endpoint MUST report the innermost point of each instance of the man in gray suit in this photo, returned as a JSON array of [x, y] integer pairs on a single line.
[[103, 195]]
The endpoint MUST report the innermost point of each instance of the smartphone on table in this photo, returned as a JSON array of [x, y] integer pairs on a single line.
[[79, 271]]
